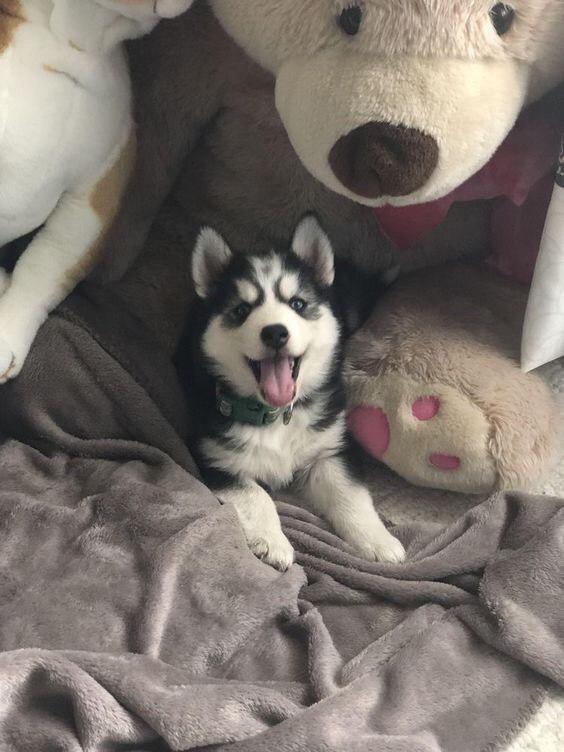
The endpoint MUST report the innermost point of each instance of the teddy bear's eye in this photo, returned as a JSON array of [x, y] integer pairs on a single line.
[[350, 20], [502, 16]]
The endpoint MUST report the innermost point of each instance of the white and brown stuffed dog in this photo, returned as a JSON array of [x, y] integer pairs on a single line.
[[67, 145]]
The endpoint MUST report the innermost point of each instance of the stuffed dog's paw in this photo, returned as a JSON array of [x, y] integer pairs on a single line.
[[20, 321], [9, 367], [4, 280]]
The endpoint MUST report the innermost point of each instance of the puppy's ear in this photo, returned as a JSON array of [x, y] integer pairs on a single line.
[[313, 247], [211, 257]]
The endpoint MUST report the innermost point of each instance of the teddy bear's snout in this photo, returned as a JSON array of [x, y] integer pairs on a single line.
[[379, 159]]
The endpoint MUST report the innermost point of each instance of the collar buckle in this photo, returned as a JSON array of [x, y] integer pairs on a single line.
[[288, 415]]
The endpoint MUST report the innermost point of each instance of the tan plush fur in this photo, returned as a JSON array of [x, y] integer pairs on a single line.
[[455, 332], [273, 32]]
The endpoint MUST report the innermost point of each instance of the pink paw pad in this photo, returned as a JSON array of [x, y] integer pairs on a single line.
[[447, 462], [426, 408], [370, 427]]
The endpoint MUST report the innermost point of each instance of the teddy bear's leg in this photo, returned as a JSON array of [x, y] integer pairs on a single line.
[[431, 434], [58, 258]]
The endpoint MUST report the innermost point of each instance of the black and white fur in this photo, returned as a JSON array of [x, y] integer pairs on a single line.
[[240, 295]]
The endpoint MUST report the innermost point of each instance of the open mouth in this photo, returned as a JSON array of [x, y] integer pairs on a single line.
[[277, 378]]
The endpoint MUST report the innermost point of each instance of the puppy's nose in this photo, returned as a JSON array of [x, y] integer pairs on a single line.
[[275, 336], [380, 159]]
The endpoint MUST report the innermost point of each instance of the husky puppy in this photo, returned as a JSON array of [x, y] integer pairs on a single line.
[[262, 359]]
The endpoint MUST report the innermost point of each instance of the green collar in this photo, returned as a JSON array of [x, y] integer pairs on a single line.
[[249, 410]]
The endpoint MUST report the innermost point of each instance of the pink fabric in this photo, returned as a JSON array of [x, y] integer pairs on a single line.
[[370, 427], [426, 408], [517, 232], [447, 462], [517, 175]]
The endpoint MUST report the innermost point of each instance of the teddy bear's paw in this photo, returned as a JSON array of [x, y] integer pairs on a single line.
[[430, 434]]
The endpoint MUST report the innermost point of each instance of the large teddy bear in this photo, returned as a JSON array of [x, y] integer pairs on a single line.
[[257, 113]]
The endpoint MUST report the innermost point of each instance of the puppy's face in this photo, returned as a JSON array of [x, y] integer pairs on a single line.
[[271, 332]]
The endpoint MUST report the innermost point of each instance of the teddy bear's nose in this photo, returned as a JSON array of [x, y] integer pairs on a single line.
[[380, 159]]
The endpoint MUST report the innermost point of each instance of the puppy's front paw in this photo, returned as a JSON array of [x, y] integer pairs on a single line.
[[274, 549], [391, 551], [379, 545]]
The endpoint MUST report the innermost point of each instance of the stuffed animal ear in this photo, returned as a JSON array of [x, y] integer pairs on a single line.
[[211, 257], [171, 8], [313, 247], [87, 25], [146, 8]]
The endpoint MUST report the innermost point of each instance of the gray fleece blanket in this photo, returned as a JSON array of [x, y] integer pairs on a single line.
[[132, 616]]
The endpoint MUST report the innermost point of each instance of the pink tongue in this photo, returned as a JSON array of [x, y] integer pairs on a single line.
[[276, 381]]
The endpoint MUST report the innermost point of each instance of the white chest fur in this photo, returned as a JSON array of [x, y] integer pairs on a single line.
[[275, 454]]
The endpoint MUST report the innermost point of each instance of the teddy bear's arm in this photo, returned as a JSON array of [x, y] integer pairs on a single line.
[[177, 93]]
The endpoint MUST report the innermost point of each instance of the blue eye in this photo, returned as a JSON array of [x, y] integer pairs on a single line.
[[298, 305], [242, 311]]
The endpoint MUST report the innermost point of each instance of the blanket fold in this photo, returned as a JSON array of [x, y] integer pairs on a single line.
[[133, 616]]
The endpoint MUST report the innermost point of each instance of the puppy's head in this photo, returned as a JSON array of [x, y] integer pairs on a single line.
[[270, 332]]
